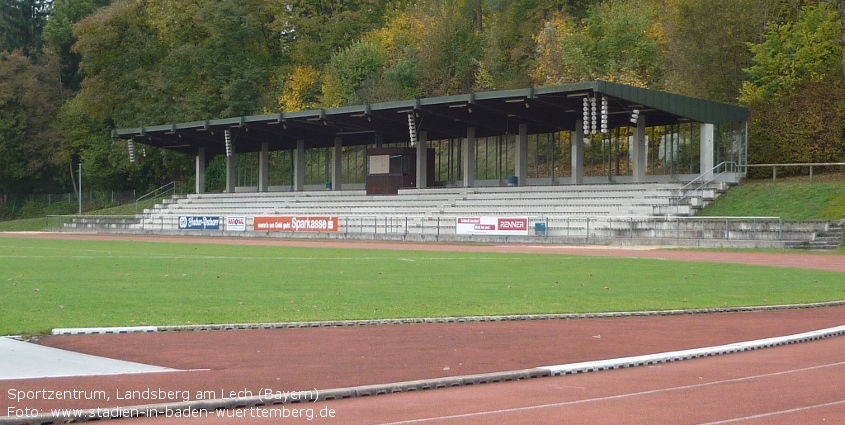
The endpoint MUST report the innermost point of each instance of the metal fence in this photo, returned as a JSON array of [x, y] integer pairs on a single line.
[[36, 203], [809, 166]]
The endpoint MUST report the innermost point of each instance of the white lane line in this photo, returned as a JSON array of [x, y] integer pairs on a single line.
[[613, 397], [778, 413]]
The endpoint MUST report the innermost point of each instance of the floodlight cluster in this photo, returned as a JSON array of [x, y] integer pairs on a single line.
[[228, 135], [412, 128], [592, 115]]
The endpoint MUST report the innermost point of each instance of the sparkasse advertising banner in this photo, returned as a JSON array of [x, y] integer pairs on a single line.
[[295, 224], [199, 223], [501, 226]]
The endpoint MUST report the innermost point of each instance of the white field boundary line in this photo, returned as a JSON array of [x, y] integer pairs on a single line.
[[426, 384], [428, 320]]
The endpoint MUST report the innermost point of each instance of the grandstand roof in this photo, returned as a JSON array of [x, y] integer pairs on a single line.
[[543, 109]]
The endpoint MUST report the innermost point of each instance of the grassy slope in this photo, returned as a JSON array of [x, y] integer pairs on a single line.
[[36, 224], [791, 200], [55, 283]]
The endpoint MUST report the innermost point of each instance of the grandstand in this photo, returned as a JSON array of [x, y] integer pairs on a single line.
[[633, 214], [589, 162]]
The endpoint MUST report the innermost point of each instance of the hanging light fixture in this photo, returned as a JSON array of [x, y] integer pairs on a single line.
[[635, 116], [604, 111], [412, 128], [586, 119], [131, 145], [228, 137]]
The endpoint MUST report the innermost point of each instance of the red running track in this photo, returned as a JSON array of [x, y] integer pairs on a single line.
[[798, 384]]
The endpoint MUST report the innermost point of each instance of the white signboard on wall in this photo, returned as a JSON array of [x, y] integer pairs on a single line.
[[500, 226], [237, 224]]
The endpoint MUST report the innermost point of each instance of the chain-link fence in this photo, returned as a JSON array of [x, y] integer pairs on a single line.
[[39, 205]]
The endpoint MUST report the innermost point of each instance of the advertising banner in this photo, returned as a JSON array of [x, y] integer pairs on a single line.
[[199, 223], [295, 224], [236, 224], [500, 226]]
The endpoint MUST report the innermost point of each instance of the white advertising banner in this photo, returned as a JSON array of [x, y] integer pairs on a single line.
[[500, 226], [236, 224]]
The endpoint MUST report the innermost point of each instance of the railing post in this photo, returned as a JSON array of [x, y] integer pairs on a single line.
[[588, 228], [677, 228], [727, 229]]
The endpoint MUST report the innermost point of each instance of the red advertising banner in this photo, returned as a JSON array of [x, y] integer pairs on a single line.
[[295, 224]]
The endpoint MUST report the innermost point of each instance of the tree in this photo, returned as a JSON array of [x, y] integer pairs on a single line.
[[842, 40], [508, 39], [301, 90], [814, 131], [58, 35], [21, 24], [312, 30], [793, 53], [30, 96], [617, 41], [349, 70], [448, 58], [706, 43], [796, 74]]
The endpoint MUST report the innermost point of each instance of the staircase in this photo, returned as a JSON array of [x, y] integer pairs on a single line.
[[828, 240]]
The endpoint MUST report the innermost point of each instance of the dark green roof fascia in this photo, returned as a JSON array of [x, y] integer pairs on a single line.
[[699, 110]]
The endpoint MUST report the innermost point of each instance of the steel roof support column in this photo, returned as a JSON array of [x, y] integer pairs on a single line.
[[231, 171], [638, 151], [707, 150], [469, 158], [576, 143], [337, 164], [521, 157], [264, 167], [422, 160], [299, 167], [200, 170]]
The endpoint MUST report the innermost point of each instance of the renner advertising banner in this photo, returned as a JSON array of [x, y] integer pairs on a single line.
[[500, 226], [199, 223], [295, 224], [236, 224]]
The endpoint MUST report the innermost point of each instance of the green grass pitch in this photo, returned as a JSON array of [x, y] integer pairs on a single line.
[[46, 284]]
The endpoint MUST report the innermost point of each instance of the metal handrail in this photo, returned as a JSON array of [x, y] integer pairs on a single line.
[[171, 188], [683, 192]]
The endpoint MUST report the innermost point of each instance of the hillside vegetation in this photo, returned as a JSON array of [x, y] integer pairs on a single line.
[[73, 70]]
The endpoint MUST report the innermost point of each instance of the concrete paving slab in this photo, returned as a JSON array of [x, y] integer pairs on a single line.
[[23, 360]]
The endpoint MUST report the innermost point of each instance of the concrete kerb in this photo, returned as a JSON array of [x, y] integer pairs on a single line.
[[421, 385], [674, 356], [430, 320]]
